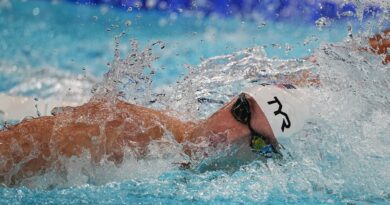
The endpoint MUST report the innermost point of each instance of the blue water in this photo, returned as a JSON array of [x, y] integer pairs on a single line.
[[41, 41], [70, 41]]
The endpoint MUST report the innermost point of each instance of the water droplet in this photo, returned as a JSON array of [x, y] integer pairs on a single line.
[[162, 22], [128, 23], [322, 22], [261, 25], [2, 113], [150, 4], [275, 45], [37, 111], [287, 48], [163, 5], [348, 13], [104, 9], [349, 30], [95, 140], [138, 4], [56, 110], [36, 11]]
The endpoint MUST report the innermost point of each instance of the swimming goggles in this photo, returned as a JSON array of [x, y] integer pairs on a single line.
[[242, 113]]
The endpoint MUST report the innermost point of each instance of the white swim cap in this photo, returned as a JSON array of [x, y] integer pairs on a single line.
[[284, 106]]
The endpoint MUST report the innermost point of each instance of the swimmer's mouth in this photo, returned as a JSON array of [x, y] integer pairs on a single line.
[[259, 144]]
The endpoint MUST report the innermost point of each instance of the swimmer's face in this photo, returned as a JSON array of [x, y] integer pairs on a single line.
[[260, 123], [224, 128]]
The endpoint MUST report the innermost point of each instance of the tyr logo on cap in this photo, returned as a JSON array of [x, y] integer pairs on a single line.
[[286, 121]]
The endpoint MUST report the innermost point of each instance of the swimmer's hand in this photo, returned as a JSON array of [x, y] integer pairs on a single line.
[[380, 43]]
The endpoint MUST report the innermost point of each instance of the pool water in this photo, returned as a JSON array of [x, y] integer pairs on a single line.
[[54, 38], [61, 50]]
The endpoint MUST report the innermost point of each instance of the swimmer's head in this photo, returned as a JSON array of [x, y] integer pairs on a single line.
[[270, 112], [264, 113], [246, 111], [284, 108]]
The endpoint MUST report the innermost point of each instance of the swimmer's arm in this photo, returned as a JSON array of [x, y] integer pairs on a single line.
[[378, 44], [33, 146]]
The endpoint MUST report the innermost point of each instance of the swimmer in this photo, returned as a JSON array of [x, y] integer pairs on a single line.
[[105, 128], [254, 121]]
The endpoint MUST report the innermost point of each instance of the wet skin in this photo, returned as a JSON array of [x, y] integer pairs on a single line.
[[380, 43]]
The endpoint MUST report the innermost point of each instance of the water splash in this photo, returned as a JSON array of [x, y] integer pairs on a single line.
[[340, 150], [209, 85], [343, 151], [365, 6], [129, 78], [162, 156]]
